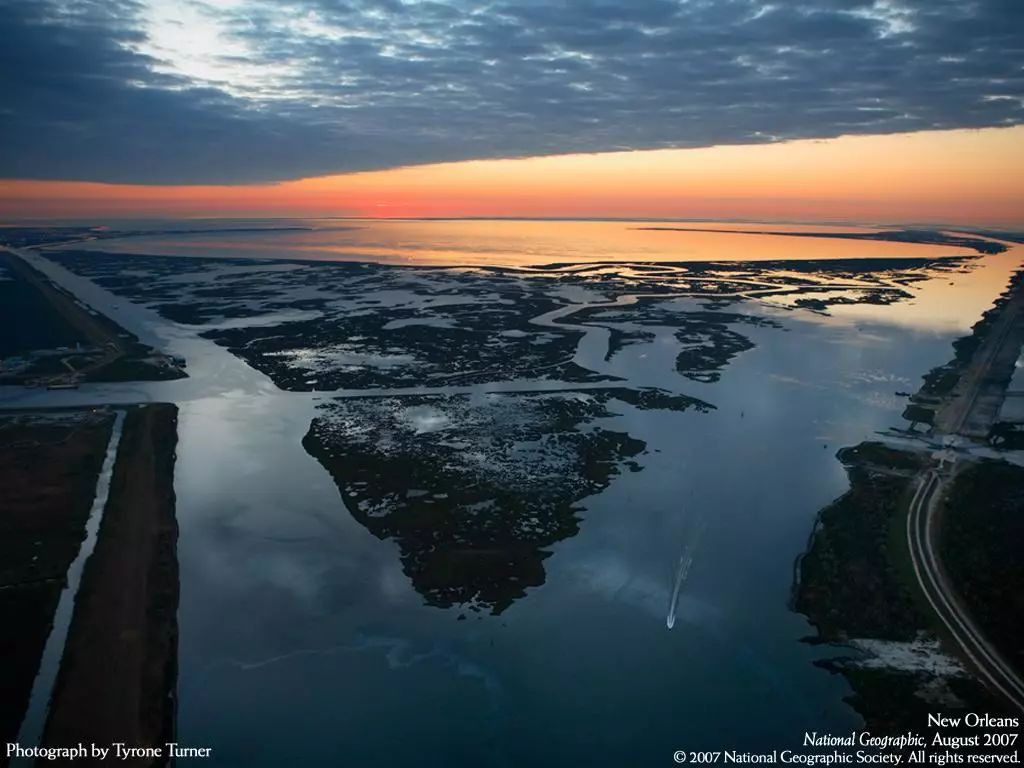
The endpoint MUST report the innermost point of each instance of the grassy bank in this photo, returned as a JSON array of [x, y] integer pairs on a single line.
[[981, 540]]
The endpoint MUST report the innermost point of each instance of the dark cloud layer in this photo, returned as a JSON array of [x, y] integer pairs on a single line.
[[248, 90]]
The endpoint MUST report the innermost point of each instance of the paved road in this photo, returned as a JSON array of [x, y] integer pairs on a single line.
[[968, 412], [921, 536]]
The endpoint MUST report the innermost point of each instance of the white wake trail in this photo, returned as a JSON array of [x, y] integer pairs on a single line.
[[682, 572]]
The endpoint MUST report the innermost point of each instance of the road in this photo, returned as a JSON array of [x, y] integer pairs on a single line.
[[921, 536], [967, 415]]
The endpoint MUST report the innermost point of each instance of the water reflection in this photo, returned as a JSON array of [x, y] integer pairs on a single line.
[[511, 243], [475, 490], [300, 624]]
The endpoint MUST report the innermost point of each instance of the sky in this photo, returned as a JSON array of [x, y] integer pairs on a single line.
[[838, 109]]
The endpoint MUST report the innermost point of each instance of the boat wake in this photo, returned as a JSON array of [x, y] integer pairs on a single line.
[[682, 572]]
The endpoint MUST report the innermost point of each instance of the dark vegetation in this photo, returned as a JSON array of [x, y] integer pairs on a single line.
[[48, 475], [709, 345], [1013, 237], [476, 493], [53, 338], [1008, 436], [27, 319], [982, 538], [383, 326], [708, 339], [849, 585], [930, 236], [48, 472], [118, 674], [864, 297], [893, 703], [140, 362], [854, 582], [445, 328], [477, 349], [29, 237]]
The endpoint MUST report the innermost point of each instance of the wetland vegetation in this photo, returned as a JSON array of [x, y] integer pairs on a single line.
[[399, 448], [981, 538], [49, 466], [855, 586]]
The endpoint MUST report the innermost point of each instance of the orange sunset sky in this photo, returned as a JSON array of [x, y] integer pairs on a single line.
[[959, 176]]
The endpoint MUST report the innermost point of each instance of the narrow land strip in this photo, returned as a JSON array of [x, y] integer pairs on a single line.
[[875, 569], [969, 411], [112, 354], [99, 333], [973, 406], [117, 677]]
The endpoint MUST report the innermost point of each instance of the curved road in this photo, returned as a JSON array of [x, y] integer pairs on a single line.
[[922, 529], [921, 536]]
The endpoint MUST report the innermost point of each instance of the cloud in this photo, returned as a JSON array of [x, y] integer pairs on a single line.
[[254, 90]]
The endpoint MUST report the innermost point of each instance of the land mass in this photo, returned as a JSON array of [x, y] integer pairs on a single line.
[[891, 235], [899, 567], [59, 341], [49, 466], [117, 677]]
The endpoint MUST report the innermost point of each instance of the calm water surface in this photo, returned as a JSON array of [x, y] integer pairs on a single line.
[[303, 643], [502, 242]]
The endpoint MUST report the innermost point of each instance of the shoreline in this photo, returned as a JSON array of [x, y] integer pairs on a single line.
[[867, 553], [114, 354]]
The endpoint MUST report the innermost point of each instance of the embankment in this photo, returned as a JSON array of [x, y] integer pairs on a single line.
[[117, 677]]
